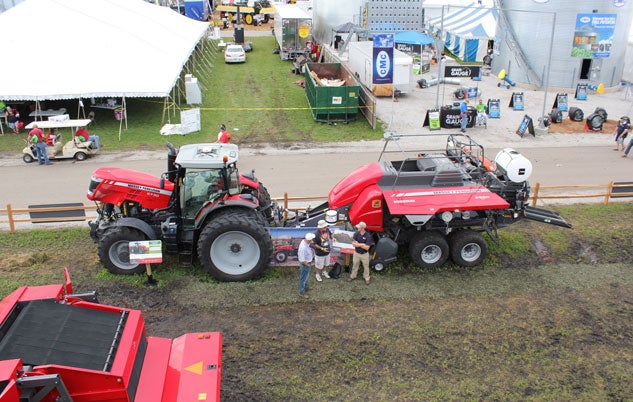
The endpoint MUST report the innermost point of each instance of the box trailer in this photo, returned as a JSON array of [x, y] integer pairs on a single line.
[[360, 59], [293, 31]]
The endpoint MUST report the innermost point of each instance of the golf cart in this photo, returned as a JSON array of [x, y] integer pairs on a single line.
[[73, 149]]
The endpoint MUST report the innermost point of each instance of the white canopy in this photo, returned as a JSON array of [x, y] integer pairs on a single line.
[[66, 49]]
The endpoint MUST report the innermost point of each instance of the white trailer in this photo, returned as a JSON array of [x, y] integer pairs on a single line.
[[293, 31], [360, 62]]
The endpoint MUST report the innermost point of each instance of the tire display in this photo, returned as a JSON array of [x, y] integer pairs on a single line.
[[576, 114]]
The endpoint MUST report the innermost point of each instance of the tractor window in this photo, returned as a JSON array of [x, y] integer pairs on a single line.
[[234, 180], [198, 187]]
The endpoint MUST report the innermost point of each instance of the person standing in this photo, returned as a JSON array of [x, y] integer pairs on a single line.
[[36, 135], [362, 242], [463, 114], [12, 117], [223, 136], [321, 245], [621, 131], [305, 254]]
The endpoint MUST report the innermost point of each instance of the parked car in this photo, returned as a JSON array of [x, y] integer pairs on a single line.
[[234, 54]]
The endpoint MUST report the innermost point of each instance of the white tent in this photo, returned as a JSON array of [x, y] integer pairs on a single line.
[[466, 32], [67, 49]]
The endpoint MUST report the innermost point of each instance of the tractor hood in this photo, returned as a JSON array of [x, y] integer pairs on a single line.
[[115, 185], [346, 191]]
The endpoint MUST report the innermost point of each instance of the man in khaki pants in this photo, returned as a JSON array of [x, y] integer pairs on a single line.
[[362, 242]]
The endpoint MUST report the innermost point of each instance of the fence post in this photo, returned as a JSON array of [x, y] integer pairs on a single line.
[[535, 195], [10, 217], [608, 193]]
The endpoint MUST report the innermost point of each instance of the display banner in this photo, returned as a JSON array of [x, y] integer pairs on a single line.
[[593, 36], [383, 59], [462, 71]]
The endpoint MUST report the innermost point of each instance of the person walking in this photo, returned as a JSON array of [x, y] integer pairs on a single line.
[[621, 131], [305, 254], [223, 136], [36, 135], [321, 245], [362, 242], [463, 114]]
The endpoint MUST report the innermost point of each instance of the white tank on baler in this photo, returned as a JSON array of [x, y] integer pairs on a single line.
[[513, 165]]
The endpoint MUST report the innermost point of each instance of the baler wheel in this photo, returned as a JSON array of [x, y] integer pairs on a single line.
[[234, 246], [114, 251], [429, 249], [468, 248]]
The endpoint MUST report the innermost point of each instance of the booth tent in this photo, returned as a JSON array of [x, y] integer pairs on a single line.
[[466, 32]]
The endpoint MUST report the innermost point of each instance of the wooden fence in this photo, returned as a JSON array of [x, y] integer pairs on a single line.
[[11, 215]]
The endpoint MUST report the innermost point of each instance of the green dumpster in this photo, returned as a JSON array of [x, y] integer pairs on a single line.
[[332, 92]]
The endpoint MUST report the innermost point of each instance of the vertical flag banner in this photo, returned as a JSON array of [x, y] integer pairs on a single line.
[[382, 82]]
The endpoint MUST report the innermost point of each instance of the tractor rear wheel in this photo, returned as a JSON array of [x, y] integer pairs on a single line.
[[114, 250], [235, 247], [428, 249], [468, 248]]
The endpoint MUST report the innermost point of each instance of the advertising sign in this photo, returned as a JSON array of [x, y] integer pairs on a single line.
[[593, 36], [581, 91], [383, 59], [526, 126], [146, 252], [461, 71], [494, 108], [434, 119], [516, 101], [561, 102]]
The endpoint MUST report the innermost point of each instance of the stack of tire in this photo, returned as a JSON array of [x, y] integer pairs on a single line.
[[575, 114], [596, 120], [556, 116]]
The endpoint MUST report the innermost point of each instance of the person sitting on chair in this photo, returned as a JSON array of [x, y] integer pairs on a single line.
[[83, 136], [482, 117], [51, 137]]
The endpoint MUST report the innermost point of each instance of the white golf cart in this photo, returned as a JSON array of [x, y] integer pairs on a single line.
[[73, 149]]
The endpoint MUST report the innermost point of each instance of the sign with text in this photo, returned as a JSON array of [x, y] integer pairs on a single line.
[[593, 36], [461, 71], [146, 251], [383, 59], [561, 102], [526, 126]]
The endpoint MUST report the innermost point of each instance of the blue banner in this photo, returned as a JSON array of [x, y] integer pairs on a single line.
[[593, 36], [383, 59]]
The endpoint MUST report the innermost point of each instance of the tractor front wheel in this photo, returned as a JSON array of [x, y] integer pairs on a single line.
[[248, 19], [428, 249], [468, 248], [235, 247], [114, 250]]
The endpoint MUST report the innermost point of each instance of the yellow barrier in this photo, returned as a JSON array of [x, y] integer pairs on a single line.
[[536, 195]]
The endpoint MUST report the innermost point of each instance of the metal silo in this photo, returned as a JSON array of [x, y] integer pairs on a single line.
[[587, 41]]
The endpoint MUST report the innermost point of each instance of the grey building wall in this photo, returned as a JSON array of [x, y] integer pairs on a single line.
[[527, 29]]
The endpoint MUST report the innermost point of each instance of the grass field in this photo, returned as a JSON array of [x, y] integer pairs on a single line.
[[258, 101], [548, 316]]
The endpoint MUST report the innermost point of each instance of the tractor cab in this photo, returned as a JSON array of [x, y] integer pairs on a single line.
[[208, 173]]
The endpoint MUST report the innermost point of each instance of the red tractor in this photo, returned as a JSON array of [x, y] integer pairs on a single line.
[[437, 203], [200, 207], [60, 346]]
